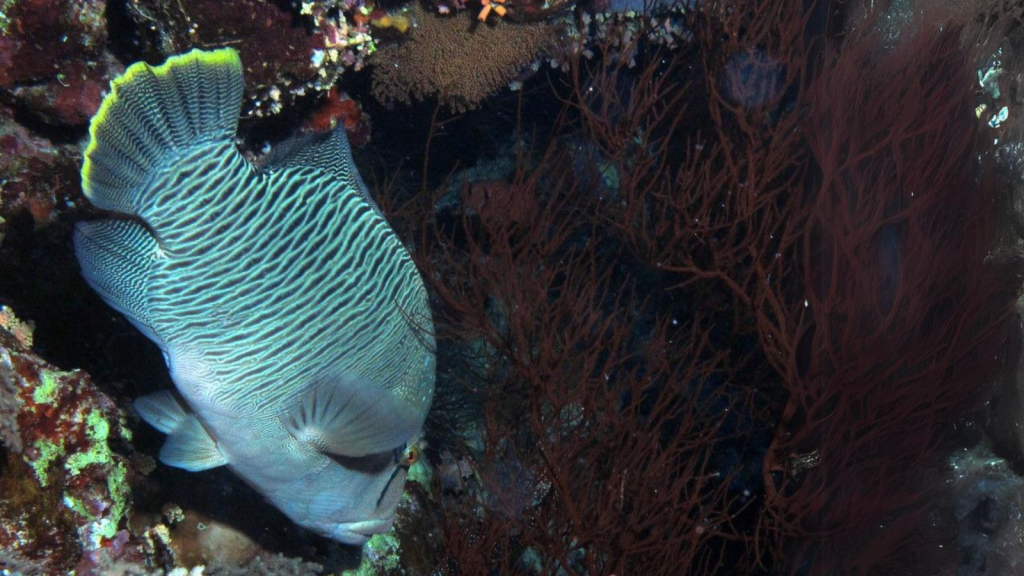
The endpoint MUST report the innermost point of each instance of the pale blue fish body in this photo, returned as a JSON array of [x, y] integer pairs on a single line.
[[294, 323]]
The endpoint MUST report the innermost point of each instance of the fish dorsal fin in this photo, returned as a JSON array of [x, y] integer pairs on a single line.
[[327, 151], [151, 114], [189, 445], [116, 258], [352, 417]]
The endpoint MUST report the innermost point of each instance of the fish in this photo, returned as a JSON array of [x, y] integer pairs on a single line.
[[294, 323]]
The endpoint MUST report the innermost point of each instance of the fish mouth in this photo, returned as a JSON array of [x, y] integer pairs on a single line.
[[357, 533]]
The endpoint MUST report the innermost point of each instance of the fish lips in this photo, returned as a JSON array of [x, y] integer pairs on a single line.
[[357, 533]]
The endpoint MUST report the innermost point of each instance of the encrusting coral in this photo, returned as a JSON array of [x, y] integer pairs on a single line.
[[64, 492], [288, 49], [52, 59], [10, 404], [38, 179], [457, 59]]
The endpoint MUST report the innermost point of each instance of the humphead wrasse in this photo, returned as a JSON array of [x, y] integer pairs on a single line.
[[294, 323]]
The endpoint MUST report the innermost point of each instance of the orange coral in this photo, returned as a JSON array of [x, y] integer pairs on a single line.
[[488, 6], [457, 60]]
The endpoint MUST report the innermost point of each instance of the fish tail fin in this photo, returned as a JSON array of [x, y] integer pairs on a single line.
[[154, 112]]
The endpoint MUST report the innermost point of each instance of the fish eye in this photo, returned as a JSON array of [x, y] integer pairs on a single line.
[[411, 456]]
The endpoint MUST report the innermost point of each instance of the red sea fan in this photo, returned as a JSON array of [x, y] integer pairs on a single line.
[[796, 240], [905, 323]]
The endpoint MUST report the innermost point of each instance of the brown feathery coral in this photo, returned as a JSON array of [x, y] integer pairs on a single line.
[[457, 59]]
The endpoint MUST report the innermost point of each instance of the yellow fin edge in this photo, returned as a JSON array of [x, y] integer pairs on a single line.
[[219, 57]]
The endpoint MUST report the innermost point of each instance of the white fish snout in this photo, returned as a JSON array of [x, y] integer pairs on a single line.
[[357, 533]]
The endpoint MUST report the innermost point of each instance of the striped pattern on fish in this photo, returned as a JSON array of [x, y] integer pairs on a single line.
[[295, 324]]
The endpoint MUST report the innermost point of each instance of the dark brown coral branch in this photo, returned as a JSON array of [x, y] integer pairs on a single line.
[[776, 311], [904, 324]]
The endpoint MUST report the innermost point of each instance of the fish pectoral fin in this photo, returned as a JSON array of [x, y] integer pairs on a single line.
[[353, 418], [188, 444], [191, 447], [161, 410]]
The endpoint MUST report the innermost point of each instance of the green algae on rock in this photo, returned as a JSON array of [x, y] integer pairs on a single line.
[[64, 491]]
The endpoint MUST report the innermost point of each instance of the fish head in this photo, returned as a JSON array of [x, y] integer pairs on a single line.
[[372, 487]]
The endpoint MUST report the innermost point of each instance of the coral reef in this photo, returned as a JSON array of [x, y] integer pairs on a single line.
[[411, 547], [13, 563], [65, 492], [536, 10], [976, 525], [37, 177], [820, 262], [609, 400], [885, 261], [728, 296], [52, 57], [457, 60], [982, 518], [338, 108], [265, 565], [276, 50], [65, 485], [10, 402], [286, 53]]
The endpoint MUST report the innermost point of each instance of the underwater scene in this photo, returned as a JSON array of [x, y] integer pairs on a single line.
[[511, 287]]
